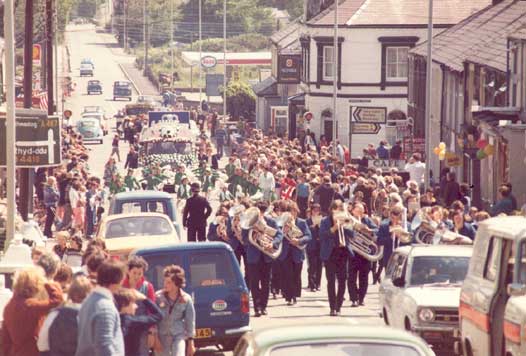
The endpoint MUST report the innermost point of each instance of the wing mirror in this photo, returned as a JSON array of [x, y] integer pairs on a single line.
[[399, 282], [516, 289]]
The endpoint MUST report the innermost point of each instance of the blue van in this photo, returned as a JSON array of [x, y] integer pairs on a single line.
[[215, 282]]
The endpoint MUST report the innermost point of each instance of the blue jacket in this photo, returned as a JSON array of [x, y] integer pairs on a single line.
[[51, 197], [329, 241], [384, 239], [253, 254], [468, 230], [212, 235], [314, 243], [99, 326], [234, 242], [382, 152], [298, 255], [504, 205]]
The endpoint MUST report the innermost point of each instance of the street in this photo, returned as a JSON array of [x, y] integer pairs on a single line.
[[312, 307]]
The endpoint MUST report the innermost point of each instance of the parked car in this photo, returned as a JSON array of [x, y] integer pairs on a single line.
[[94, 86], [336, 339], [88, 61], [153, 100], [100, 118], [493, 295], [421, 290], [86, 69], [122, 89], [125, 232], [90, 130], [214, 280], [145, 201]]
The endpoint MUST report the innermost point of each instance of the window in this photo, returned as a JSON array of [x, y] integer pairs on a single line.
[[491, 266], [157, 263], [396, 63], [208, 269], [330, 347], [328, 62]]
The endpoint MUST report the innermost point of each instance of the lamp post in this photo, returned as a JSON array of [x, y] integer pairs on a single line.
[[200, 50], [427, 118], [335, 79], [224, 58], [172, 40]]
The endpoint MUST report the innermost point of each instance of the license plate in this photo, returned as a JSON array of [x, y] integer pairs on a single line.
[[203, 333]]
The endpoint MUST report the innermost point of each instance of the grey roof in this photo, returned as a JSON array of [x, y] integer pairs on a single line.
[[480, 38], [398, 12], [288, 37], [264, 87], [519, 34]]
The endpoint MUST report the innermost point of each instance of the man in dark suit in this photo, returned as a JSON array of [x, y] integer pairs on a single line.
[[335, 256], [259, 264], [196, 211], [132, 159]]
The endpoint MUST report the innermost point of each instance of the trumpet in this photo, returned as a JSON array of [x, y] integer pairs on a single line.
[[260, 235], [293, 233], [235, 213], [399, 232]]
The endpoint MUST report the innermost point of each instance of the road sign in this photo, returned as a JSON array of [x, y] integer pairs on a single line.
[[364, 128], [67, 114], [308, 116], [183, 117], [37, 54], [38, 139], [213, 83], [377, 115], [208, 62]]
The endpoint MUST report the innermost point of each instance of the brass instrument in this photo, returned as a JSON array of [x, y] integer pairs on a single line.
[[235, 213], [293, 233], [403, 236], [364, 241], [220, 221], [316, 220], [260, 234], [427, 231]]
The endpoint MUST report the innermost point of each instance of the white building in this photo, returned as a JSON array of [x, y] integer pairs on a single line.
[[374, 39]]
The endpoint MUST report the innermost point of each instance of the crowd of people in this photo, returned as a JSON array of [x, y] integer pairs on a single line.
[[105, 307]]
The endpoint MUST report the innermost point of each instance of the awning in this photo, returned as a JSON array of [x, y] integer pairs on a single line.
[[298, 99], [493, 115]]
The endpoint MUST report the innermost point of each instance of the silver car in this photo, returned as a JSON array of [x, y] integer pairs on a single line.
[[421, 291]]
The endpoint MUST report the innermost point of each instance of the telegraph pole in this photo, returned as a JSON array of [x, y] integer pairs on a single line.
[[26, 187], [145, 37], [224, 58], [335, 81], [125, 26], [200, 50], [49, 57], [427, 177]]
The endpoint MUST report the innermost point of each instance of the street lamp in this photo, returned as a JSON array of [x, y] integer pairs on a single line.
[[427, 118], [224, 58], [200, 50], [335, 79]]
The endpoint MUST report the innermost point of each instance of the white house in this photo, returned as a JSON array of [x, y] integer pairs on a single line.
[[374, 39]]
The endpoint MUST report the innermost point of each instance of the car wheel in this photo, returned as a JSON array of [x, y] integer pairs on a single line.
[[113, 98], [101, 142], [386, 319]]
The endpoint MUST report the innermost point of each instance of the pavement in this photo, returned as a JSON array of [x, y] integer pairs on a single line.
[[84, 41]]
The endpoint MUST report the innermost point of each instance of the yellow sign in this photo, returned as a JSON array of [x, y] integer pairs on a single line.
[[453, 160], [37, 53]]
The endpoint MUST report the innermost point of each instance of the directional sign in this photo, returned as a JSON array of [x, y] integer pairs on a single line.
[[377, 115], [38, 139], [364, 128]]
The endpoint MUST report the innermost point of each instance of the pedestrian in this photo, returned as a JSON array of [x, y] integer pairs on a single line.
[[504, 205], [99, 326], [451, 189], [220, 135], [59, 333], [135, 325], [132, 159], [315, 264], [25, 312], [51, 198], [110, 170], [302, 195], [196, 211], [382, 152], [259, 264], [460, 226], [324, 195], [73, 255], [396, 150], [115, 147], [267, 184], [387, 239], [61, 238], [177, 328], [335, 255], [416, 169]]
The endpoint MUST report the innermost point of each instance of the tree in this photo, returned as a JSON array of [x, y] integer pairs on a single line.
[[240, 99]]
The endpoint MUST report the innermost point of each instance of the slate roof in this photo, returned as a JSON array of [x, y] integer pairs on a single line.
[[480, 38], [519, 34], [265, 87], [288, 37], [398, 12]]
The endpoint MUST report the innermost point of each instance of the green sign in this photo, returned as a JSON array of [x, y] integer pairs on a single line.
[[38, 139]]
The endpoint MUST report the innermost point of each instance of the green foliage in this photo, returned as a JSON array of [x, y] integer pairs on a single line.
[[250, 42], [240, 99]]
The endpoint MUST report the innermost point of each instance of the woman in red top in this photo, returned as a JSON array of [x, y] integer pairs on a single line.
[[25, 312], [137, 266]]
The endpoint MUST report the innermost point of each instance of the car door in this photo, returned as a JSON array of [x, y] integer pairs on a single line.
[[387, 288]]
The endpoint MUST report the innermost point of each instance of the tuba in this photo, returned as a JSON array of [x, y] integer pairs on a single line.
[[364, 241], [260, 234], [234, 213], [423, 227], [293, 232]]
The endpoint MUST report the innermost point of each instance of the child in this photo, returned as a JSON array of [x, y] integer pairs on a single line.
[[133, 326]]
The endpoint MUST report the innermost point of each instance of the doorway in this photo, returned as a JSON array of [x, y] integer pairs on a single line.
[[327, 130]]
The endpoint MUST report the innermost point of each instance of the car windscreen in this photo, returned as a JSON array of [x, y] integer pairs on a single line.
[[88, 124], [156, 263], [150, 206], [439, 270], [169, 147], [211, 268], [345, 349], [138, 226]]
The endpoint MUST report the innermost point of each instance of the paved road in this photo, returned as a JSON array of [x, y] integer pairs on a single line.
[[85, 42]]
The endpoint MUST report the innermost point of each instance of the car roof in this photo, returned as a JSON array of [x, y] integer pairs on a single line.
[[120, 82], [140, 195], [134, 215], [439, 250], [182, 247], [509, 227], [284, 334]]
